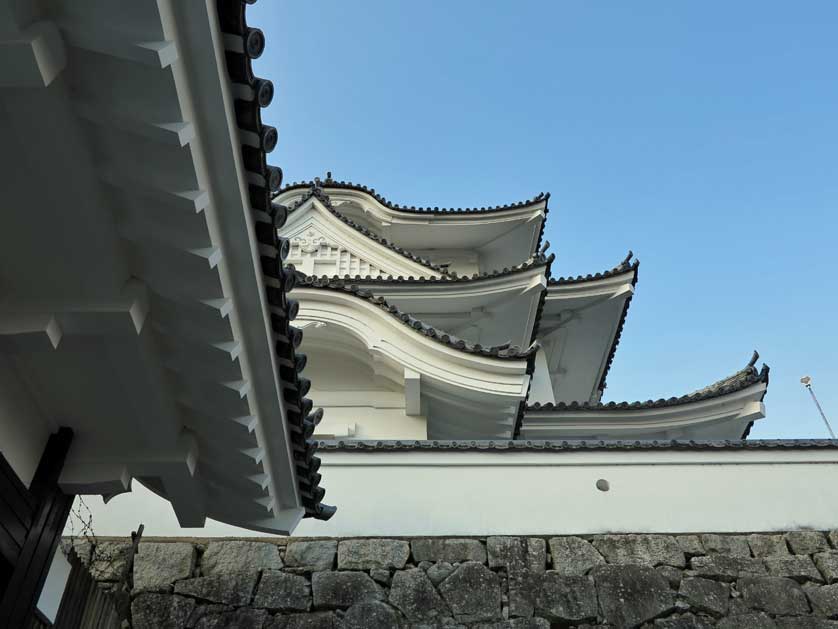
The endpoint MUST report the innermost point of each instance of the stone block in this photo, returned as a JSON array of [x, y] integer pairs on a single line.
[[804, 622], [515, 623], [566, 599], [313, 556], [824, 600], [706, 595], [672, 575], [774, 595], [807, 542], [243, 618], [573, 556], [827, 564], [833, 538], [727, 545], [207, 609], [366, 554], [279, 591], [110, 560], [414, 594], [150, 610], [158, 565], [380, 575], [768, 545], [630, 595], [472, 593], [440, 571], [233, 588], [797, 567], [755, 620], [690, 544], [314, 620], [371, 615], [450, 550], [647, 550], [726, 568], [684, 621], [517, 554], [239, 556], [340, 590]]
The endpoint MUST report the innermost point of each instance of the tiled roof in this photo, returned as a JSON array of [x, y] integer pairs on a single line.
[[318, 192], [742, 379], [278, 279], [546, 445], [626, 265], [504, 352], [348, 185], [535, 261]]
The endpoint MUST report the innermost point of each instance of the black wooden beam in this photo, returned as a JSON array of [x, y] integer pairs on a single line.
[[52, 507]]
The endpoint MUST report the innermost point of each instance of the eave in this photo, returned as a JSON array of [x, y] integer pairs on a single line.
[[450, 374], [723, 410], [581, 328], [503, 236], [490, 308], [136, 309]]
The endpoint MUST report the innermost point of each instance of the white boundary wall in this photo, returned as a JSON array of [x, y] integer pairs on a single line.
[[551, 492]]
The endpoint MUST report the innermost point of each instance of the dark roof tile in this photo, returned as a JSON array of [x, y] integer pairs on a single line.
[[278, 279]]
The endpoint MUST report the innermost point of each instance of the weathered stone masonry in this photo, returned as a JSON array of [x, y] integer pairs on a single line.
[[784, 581]]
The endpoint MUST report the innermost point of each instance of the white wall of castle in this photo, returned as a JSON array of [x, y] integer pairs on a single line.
[[481, 493]]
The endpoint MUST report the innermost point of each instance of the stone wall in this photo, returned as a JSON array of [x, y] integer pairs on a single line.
[[657, 581]]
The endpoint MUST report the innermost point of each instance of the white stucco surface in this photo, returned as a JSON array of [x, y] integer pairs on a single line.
[[479, 493]]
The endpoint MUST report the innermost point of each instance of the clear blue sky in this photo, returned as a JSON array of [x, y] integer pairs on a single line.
[[702, 135]]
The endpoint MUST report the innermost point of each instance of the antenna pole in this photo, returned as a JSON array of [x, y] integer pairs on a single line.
[[820, 410]]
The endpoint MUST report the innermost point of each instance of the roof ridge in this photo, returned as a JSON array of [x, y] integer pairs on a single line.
[[348, 185], [626, 265], [384, 445], [742, 379], [531, 263], [320, 195], [504, 352]]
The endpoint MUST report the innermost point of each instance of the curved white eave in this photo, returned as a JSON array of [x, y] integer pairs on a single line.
[[385, 336], [725, 415]]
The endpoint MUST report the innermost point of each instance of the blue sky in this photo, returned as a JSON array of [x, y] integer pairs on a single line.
[[702, 135]]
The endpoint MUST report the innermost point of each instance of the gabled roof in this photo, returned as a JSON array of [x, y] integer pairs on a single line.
[[348, 185], [484, 225], [317, 192], [502, 352], [267, 218], [742, 379]]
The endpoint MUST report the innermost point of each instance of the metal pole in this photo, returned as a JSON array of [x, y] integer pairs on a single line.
[[820, 410]]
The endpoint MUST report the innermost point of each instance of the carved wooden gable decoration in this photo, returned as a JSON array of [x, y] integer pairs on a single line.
[[322, 245]]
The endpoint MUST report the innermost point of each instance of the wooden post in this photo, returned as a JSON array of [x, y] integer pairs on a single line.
[[51, 509]]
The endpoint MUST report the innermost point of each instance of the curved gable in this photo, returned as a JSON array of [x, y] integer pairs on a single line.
[[323, 243]]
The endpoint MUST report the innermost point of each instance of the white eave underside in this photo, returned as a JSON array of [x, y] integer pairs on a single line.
[[133, 309], [578, 329]]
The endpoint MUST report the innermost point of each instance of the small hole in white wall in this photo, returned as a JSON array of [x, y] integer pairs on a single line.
[[603, 485]]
